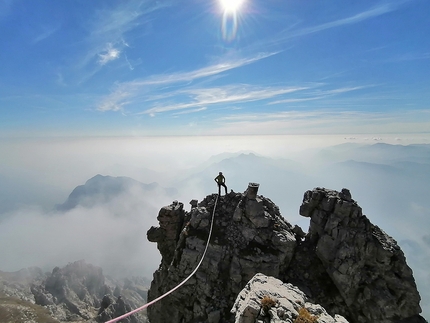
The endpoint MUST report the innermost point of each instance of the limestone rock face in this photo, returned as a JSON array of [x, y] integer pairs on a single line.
[[366, 265], [267, 299], [76, 291], [344, 266], [16, 284], [171, 219], [249, 236]]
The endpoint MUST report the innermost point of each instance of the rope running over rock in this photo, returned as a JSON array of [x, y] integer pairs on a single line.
[[179, 285]]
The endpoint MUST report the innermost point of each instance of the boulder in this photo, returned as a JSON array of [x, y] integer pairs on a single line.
[[267, 299]]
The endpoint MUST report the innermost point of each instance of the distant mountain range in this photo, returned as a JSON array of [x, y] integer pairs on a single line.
[[391, 182], [102, 189]]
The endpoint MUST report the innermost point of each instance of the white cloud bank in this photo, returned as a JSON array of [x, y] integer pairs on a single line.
[[111, 235]]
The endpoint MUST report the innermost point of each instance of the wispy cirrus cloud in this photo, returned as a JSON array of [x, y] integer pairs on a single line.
[[115, 102], [323, 121], [109, 54], [46, 33], [225, 94], [211, 70], [190, 111], [409, 57], [320, 94], [108, 28], [291, 115], [377, 10], [125, 92]]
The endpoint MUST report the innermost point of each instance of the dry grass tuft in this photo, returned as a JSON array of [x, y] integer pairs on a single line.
[[267, 303], [305, 317]]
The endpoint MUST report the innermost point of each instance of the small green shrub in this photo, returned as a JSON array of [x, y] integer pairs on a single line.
[[305, 317], [267, 303]]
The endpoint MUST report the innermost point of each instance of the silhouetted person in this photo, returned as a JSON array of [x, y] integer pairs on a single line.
[[220, 180]]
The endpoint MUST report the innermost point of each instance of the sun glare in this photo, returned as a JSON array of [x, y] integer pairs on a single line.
[[231, 5]]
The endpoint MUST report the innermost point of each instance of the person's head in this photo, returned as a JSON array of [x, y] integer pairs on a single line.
[[220, 173]]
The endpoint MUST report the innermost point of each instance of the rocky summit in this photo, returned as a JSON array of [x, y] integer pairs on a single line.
[[260, 268]]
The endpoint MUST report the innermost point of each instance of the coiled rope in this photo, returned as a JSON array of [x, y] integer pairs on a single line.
[[180, 284]]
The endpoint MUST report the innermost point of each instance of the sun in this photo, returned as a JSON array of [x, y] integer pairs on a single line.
[[231, 5]]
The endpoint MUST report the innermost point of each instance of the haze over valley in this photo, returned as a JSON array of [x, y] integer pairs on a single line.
[[102, 216]]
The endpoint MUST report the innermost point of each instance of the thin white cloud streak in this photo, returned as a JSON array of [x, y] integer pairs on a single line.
[[116, 98], [165, 79], [362, 16], [296, 100], [130, 66], [320, 95], [228, 94], [190, 111], [115, 102], [241, 94], [323, 122], [327, 114], [409, 57], [45, 34], [345, 89]]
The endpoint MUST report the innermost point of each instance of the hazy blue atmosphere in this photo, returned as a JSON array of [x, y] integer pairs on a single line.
[[105, 221], [165, 94]]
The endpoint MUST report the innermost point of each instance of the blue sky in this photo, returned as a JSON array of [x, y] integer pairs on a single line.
[[132, 68]]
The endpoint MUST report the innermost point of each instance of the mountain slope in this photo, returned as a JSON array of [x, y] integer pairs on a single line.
[[101, 189]]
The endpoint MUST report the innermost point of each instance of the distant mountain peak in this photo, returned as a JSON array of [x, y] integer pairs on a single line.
[[102, 189]]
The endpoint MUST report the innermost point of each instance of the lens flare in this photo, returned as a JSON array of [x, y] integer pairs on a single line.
[[231, 6], [229, 24]]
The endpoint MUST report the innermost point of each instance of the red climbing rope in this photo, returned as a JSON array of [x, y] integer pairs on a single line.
[[174, 288]]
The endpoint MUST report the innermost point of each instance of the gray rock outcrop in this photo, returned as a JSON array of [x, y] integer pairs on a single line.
[[267, 299], [75, 293], [249, 236], [344, 263], [366, 265]]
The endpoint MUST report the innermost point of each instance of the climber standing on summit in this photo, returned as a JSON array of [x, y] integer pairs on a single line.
[[220, 180]]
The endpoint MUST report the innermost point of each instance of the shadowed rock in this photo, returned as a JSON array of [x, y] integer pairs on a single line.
[[249, 236], [366, 265], [344, 265]]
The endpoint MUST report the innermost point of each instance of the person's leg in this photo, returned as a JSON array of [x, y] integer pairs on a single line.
[[225, 187], [219, 189]]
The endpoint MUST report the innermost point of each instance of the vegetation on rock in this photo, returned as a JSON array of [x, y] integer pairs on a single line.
[[305, 317], [267, 303]]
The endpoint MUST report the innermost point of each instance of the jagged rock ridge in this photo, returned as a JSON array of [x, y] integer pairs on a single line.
[[75, 293], [346, 264], [366, 265]]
